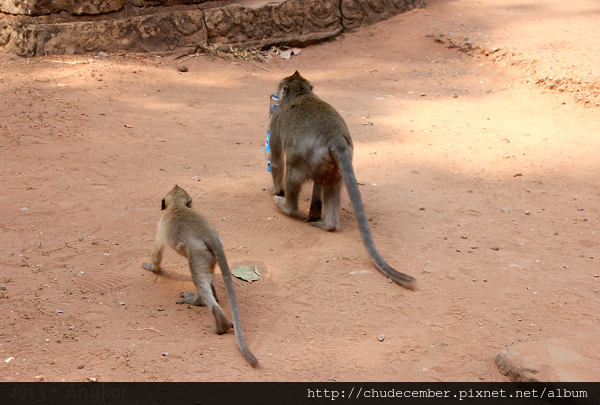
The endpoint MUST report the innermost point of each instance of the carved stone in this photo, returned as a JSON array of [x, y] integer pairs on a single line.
[[146, 33], [357, 13], [80, 7], [297, 22], [180, 27]]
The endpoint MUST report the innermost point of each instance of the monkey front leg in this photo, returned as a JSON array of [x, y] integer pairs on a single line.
[[157, 254], [202, 263], [277, 171]]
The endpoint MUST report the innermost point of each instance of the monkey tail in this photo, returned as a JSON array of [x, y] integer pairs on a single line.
[[237, 323], [340, 152]]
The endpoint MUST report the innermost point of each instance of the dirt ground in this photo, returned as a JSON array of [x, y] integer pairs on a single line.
[[477, 181]]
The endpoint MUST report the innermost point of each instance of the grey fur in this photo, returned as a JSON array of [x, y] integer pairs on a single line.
[[317, 146], [193, 236]]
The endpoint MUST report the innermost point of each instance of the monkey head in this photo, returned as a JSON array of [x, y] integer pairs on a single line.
[[294, 84], [176, 198]]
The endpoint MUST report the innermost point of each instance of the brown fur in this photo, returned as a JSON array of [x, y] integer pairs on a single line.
[[317, 146]]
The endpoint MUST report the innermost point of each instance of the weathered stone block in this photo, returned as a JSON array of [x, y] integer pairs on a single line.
[[146, 33], [41, 7], [80, 7], [357, 13], [294, 22], [181, 25]]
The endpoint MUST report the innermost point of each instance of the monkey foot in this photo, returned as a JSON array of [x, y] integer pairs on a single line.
[[148, 266], [322, 225], [274, 191], [223, 325], [294, 213], [313, 217], [190, 298]]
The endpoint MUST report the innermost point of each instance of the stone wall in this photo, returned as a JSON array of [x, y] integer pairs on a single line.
[[55, 27], [81, 7]]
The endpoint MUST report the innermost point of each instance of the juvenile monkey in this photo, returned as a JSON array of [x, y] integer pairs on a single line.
[[193, 236], [317, 146]]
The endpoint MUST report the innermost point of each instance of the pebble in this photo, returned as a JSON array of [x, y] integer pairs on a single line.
[[2, 287], [381, 337], [495, 248], [38, 378], [444, 344], [161, 309], [464, 237], [164, 353], [182, 68], [93, 379], [122, 303], [102, 55]]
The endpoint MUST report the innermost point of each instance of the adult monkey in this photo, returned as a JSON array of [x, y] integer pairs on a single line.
[[317, 146]]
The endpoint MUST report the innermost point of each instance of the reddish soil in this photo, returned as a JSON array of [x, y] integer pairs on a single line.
[[478, 182]]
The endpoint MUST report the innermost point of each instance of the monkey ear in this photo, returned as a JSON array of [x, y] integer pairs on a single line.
[[284, 91], [163, 205], [311, 87], [189, 203]]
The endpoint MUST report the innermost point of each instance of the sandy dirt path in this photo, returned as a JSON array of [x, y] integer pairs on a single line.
[[477, 181]]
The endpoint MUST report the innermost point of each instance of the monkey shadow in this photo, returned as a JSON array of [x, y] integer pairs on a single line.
[[177, 276], [173, 275]]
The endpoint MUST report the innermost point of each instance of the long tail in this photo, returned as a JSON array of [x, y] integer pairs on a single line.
[[237, 323], [343, 159]]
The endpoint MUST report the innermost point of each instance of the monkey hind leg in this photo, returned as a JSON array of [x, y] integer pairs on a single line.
[[202, 263], [316, 203], [222, 323], [331, 205]]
